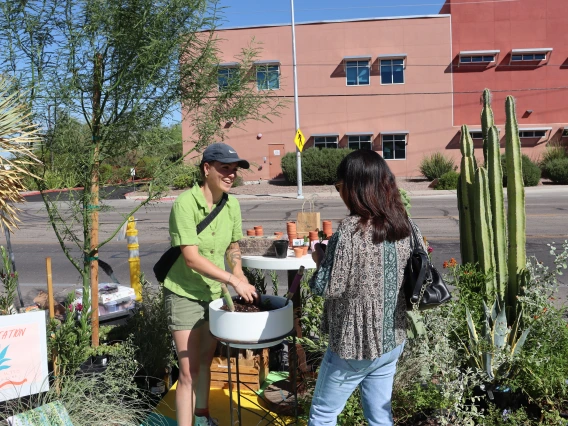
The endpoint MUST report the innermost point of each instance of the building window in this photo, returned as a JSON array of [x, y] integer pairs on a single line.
[[268, 77], [392, 71], [359, 142], [325, 142], [532, 133], [394, 147], [528, 57], [477, 59], [357, 72], [224, 76], [476, 135], [565, 133]]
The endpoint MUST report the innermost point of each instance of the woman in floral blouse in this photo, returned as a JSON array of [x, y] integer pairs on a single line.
[[361, 275]]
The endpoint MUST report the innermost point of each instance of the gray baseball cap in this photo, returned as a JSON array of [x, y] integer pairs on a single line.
[[223, 153]]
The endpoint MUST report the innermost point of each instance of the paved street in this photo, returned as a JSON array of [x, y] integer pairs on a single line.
[[436, 215]]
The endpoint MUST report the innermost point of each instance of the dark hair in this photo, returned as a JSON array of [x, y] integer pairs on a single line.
[[370, 192]]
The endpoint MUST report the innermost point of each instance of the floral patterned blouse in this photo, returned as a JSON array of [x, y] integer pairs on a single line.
[[365, 308]]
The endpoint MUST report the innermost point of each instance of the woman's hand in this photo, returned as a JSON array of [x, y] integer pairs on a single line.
[[244, 289]]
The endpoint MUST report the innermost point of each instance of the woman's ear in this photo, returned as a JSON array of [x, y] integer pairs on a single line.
[[206, 168]]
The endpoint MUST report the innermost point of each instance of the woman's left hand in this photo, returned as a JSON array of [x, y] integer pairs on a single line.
[[318, 254]]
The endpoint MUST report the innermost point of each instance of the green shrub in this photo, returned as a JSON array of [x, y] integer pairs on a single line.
[[448, 180], [319, 166], [554, 151], [146, 167], [238, 181], [556, 170], [183, 181], [531, 171], [405, 199], [105, 173], [436, 165]]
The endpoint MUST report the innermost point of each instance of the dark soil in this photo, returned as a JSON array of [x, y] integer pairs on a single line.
[[242, 306]]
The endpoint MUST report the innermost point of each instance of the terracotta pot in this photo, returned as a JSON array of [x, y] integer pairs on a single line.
[[259, 232], [305, 249], [298, 251], [279, 235], [313, 235], [258, 227], [251, 233]]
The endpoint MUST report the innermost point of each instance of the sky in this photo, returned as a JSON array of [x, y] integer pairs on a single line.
[[256, 12]]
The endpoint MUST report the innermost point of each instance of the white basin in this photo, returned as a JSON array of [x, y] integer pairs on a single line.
[[252, 330]]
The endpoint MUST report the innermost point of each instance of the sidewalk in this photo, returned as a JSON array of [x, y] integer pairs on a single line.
[[268, 191]]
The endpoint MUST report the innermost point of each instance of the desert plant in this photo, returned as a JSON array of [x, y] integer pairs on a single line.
[[10, 281], [556, 170], [405, 199], [448, 180], [554, 151], [531, 171], [435, 165], [183, 181], [17, 134], [319, 166]]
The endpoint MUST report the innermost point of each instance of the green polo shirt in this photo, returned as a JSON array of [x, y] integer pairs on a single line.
[[189, 209]]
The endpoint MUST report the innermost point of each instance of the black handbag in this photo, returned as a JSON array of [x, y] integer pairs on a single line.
[[424, 286], [163, 266]]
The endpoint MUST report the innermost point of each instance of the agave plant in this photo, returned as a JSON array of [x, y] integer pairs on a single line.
[[495, 351], [17, 134]]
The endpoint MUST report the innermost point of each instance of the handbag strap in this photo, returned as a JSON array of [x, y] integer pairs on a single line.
[[214, 213]]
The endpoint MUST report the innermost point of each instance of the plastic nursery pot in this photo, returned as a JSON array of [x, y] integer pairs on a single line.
[[298, 251], [281, 247]]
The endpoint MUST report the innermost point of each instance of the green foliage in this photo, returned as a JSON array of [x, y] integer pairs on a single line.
[[238, 181], [148, 329], [319, 166], [256, 278], [556, 170], [531, 171], [436, 165], [448, 180], [10, 281], [70, 339], [183, 182], [405, 199], [147, 167], [554, 151]]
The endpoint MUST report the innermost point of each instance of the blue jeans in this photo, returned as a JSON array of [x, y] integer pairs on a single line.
[[339, 377]]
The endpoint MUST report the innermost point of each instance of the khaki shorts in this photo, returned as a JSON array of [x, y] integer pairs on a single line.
[[184, 313]]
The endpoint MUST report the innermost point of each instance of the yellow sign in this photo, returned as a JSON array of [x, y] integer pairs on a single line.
[[300, 140]]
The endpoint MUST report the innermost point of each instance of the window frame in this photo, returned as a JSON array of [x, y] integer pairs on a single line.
[[267, 66], [230, 70], [368, 135], [393, 141], [357, 60], [391, 59], [483, 60], [326, 142], [478, 135], [524, 134]]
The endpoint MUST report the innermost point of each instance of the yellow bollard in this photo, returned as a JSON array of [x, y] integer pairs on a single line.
[[134, 257]]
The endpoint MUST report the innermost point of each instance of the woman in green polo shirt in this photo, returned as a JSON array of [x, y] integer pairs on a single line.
[[195, 279]]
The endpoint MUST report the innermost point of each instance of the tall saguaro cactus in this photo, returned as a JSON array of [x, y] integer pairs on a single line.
[[484, 239], [484, 229], [466, 197], [516, 218], [487, 120], [495, 184]]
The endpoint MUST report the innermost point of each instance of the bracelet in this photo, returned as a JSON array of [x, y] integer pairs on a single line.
[[229, 280]]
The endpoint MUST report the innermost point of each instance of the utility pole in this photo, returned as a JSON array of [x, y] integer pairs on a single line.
[[296, 109]]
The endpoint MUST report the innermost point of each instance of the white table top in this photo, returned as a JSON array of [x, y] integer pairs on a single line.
[[272, 263]]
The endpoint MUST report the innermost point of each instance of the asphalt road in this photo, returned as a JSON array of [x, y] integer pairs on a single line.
[[547, 221]]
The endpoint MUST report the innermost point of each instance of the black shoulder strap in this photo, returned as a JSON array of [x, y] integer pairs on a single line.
[[211, 216]]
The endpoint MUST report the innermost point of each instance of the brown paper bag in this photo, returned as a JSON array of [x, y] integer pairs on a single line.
[[307, 221]]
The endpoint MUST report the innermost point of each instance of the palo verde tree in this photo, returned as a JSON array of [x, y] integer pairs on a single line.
[[121, 67]]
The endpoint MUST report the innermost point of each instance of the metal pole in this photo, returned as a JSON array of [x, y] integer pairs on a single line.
[[296, 109]]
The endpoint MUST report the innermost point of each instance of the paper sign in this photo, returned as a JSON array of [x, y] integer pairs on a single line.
[[23, 355], [276, 152], [132, 172], [300, 140]]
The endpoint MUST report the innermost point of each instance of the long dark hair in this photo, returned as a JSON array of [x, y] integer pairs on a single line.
[[370, 192]]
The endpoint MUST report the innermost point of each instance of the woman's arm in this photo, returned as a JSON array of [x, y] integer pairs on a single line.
[[234, 259], [208, 269]]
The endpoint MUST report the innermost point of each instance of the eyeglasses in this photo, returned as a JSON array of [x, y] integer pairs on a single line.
[[338, 185]]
